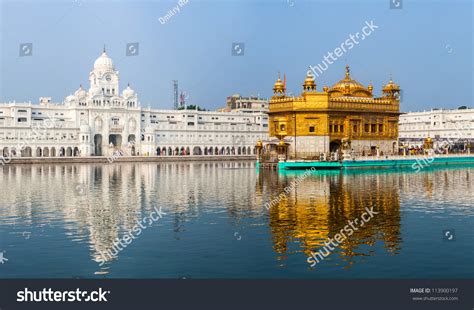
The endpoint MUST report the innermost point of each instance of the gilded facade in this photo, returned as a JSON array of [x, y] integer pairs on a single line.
[[347, 114]]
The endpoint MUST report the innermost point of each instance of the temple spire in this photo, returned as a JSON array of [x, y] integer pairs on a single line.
[[104, 48], [347, 72]]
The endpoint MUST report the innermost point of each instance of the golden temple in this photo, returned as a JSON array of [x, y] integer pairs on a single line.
[[346, 114]]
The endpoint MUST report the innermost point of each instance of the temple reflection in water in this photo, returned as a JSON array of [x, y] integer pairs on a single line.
[[324, 202], [90, 206]]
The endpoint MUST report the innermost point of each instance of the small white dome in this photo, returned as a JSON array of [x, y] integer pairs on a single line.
[[128, 92], [80, 93], [104, 63], [70, 98]]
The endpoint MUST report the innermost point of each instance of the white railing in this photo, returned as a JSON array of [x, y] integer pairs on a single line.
[[420, 156]]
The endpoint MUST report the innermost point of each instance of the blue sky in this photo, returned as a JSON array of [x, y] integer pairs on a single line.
[[426, 46]]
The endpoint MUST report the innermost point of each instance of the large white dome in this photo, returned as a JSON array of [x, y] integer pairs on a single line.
[[104, 63]]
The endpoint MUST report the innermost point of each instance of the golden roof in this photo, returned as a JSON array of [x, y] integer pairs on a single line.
[[391, 86], [279, 86], [349, 87], [309, 85], [309, 81]]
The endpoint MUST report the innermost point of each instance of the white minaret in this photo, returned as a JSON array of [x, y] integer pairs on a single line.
[[104, 79]]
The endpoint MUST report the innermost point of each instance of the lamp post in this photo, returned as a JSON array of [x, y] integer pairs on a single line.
[[294, 119]]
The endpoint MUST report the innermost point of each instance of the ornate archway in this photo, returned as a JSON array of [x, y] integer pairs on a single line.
[[335, 146]]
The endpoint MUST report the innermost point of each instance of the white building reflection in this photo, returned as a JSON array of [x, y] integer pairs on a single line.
[[96, 204]]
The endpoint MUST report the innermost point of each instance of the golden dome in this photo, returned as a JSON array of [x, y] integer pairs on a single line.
[[278, 84], [390, 86], [349, 87], [309, 84], [309, 79], [279, 87]]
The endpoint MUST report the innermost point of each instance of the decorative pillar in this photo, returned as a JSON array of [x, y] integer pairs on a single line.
[[281, 150], [346, 149], [259, 147]]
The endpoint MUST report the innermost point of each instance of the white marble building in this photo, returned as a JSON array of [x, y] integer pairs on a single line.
[[437, 124], [101, 121]]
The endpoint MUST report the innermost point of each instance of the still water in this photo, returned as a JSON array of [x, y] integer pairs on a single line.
[[57, 221]]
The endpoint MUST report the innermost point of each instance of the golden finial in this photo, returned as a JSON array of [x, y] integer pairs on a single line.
[[347, 72], [309, 84], [279, 87]]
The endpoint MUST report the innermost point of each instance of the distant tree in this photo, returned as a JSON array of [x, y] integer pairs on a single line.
[[463, 107], [192, 107]]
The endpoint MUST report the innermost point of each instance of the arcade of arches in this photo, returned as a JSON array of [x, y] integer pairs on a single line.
[[69, 151], [204, 150]]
